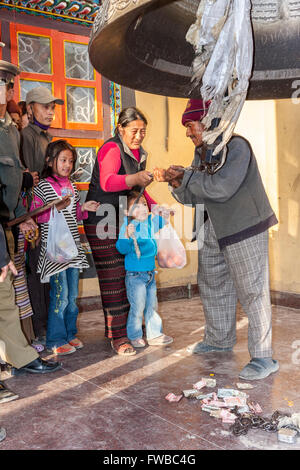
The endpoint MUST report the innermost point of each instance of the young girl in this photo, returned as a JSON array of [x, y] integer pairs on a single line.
[[140, 281], [63, 277]]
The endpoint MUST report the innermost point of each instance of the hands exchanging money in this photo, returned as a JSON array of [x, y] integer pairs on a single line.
[[173, 175]]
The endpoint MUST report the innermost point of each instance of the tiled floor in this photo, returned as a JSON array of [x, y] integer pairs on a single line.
[[103, 401]]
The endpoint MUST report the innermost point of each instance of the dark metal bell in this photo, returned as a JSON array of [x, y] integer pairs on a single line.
[[141, 44]]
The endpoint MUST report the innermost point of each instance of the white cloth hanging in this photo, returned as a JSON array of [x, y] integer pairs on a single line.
[[223, 41]]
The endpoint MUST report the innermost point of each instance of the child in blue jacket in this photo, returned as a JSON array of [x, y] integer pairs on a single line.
[[137, 242]]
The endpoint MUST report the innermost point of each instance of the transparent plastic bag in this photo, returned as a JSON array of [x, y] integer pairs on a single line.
[[61, 246], [170, 250]]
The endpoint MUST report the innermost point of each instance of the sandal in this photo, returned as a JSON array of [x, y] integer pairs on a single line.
[[259, 368], [123, 349]]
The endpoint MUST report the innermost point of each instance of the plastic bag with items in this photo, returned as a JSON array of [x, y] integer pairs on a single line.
[[61, 246], [170, 250]]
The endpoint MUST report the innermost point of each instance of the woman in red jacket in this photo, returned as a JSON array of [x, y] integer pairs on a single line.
[[120, 166]]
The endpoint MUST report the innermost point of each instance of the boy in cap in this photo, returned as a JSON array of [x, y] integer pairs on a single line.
[[233, 262], [35, 138]]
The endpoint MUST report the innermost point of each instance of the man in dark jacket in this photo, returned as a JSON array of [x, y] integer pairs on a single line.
[[233, 254], [40, 104]]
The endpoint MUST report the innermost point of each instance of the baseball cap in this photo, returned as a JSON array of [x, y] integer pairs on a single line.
[[8, 71], [42, 95]]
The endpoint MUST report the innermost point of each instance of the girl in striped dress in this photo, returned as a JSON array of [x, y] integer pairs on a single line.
[[63, 277]]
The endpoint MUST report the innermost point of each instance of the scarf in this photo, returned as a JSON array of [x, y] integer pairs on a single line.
[[41, 126]]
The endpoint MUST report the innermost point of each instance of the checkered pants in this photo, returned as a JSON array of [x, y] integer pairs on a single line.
[[238, 272]]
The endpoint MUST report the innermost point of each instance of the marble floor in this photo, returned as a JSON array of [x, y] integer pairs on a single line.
[[101, 401]]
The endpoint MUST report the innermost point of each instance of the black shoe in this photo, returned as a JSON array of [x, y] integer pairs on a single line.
[[6, 394], [38, 366]]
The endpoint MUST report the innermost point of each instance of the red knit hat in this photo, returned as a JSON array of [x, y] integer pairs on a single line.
[[195, 110]]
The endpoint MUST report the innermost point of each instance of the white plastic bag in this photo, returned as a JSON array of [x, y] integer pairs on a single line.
[[61, 246], [170, 250]]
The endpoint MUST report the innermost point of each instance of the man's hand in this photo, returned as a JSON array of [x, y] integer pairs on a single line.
[[4, 271]]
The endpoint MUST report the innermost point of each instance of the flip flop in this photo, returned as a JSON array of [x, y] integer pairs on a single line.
[[259, 368], [123, 349]]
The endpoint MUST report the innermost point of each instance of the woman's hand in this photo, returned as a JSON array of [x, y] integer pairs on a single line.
[[90, 206], [142, 178], [174, 175]]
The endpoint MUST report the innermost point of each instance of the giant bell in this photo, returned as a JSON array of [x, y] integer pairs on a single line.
[[141, 44]]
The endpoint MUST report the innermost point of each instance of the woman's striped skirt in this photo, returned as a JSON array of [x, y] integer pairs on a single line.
[[109, 264]]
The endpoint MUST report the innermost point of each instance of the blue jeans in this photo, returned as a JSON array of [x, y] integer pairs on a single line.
[[63, 310], [141, 294]]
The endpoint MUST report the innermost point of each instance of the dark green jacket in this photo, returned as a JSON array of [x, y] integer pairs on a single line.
[[11, 170]]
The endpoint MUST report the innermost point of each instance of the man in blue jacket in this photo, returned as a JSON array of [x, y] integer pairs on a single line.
[[233, 260]]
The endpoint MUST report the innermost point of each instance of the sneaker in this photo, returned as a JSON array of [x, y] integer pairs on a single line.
[[161, 340], [76, 343], [259, 368], [138, 343], [63, 350]]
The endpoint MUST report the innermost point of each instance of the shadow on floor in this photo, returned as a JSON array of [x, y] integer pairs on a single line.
[[101, 401]]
